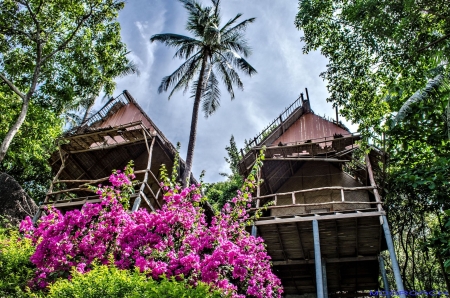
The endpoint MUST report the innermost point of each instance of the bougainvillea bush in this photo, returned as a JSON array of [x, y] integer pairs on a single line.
[[175, 241]]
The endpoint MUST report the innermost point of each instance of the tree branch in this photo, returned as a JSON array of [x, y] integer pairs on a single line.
[[434, 42], [69, 38], [12, 86]]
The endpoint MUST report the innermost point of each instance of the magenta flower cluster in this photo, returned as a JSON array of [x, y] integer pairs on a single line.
[[173, 241]]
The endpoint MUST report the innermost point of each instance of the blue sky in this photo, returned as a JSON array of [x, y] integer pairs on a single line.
[[283, 73]]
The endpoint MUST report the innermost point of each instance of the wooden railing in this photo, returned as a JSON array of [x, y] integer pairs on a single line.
[[275, 123], [274, 198], [100, 115]]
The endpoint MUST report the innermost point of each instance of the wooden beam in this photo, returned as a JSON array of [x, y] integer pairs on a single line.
[[306, 159], [137, 123], [328, 260], [318, 217]]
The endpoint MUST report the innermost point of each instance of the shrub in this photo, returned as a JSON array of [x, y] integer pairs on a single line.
[[109, 281], [174, 241], [16, 268]]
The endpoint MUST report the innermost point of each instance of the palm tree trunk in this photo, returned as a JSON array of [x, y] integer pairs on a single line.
[[193, 134]]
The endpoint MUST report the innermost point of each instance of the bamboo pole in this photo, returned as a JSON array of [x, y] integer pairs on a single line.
[[372, 182], [149, 163], [63, 164]]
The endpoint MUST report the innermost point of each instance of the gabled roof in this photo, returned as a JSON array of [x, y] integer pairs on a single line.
[[297, 135], [109, 139]]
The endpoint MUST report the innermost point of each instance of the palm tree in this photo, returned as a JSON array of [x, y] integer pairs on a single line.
[[214, 50]]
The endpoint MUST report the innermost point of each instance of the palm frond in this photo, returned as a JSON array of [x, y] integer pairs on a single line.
[[174, 40], [420, 95], [240, 63], [129, 69], [230, 22], [186, 50], [186, 78], [190, 5], [211, 94], [229, 76], [237, 43], [239, 27], [179, 73]]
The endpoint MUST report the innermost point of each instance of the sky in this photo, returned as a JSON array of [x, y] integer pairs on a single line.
[[283, 73]]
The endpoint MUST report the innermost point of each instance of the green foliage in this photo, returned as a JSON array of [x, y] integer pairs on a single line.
[[388, 72], [220, 192], [16, 268], [380, 52], [108, 281], [27, 161], [55, 53]]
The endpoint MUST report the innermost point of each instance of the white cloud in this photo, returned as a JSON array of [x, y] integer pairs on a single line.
[[283, 72]]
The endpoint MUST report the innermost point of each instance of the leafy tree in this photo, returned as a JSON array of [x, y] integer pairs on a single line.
[[53, 53], [218, 193], [213, 50], [86, 104], [388, 72], [380, 52], [27, 159]]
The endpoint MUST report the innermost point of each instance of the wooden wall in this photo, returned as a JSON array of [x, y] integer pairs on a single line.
[[317, 174]]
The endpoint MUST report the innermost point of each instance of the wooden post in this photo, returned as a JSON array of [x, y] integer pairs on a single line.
[[137, 202], [342, 195], [372, 183]]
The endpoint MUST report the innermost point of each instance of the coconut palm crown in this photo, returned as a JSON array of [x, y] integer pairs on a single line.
[[214, 54]]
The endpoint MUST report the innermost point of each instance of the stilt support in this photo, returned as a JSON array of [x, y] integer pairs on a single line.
[[395, 266], [318, 260], [254, 230], [384, 276], [324, 279]]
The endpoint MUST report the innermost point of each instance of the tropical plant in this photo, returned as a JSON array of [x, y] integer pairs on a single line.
[[16, 268], [388, 72], [219, 192], [109, 281], [54, 52], [214, 50], [175, 241]]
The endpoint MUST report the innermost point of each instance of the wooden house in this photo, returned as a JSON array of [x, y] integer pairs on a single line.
[[325, 225], [119, 132]]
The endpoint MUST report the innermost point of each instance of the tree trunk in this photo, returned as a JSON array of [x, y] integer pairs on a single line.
[[14, 129], [193, 134], [88, 110]]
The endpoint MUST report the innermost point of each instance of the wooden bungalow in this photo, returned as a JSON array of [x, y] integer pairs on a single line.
[[119, 132], [325, 227]]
